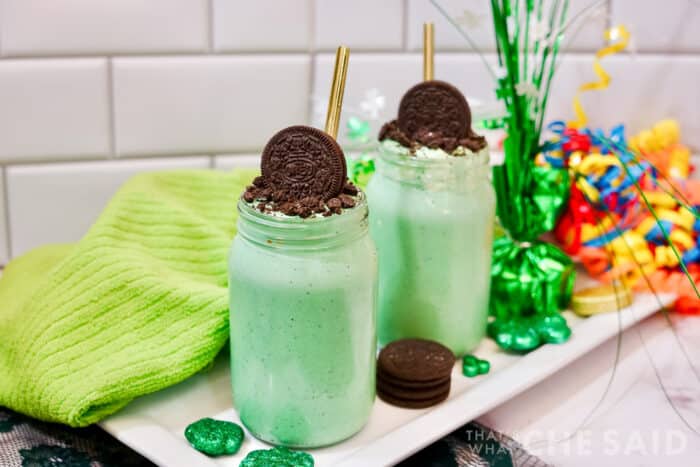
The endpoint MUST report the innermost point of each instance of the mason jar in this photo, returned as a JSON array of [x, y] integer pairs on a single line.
[[432, 223], [303, 339]]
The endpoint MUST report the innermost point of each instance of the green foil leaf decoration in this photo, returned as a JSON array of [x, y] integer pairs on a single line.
[[530, 283]]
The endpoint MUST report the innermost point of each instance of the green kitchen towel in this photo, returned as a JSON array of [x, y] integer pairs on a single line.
[[139, 304]]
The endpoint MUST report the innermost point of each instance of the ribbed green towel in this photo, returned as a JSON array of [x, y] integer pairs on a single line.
[[139, 304]]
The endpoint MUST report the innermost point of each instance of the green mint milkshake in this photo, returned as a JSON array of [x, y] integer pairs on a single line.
[[432, 210], [303, 284]]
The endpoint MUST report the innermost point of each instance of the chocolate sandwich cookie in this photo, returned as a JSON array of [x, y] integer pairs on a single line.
[[416, 360], [412, 404], [417, 385], [302, 162], [404, 393], [414, 373], [436, 107]]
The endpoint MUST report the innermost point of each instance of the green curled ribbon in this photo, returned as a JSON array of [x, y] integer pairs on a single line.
[[530, 283]]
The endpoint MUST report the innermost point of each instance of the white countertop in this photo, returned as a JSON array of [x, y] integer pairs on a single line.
[[569, 420]]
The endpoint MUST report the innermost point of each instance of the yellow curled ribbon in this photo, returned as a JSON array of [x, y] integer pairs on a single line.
[[621, 37]]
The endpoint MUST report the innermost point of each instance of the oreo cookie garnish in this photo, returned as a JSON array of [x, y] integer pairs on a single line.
[[435, 106], [433, 114], [302, 161], [414, 373], [303, 173]]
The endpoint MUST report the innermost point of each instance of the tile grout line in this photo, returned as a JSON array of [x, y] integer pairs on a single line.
[[657, 54], [124, 157], [210, 26], [312, 54], [6, 203], [111, 118], [404, 26]]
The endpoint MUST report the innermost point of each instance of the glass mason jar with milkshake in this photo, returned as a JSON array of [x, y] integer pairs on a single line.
[[303, 283], [432, 209]]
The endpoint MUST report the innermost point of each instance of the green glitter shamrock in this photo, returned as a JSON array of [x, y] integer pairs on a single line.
[[277, 457], [473, 366], [214, 437]]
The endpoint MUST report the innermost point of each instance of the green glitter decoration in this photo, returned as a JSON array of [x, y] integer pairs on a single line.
[[277, 457], [473, 366], [214, 437]]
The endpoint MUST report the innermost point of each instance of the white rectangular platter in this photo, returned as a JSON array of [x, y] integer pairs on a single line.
[[153, 425]]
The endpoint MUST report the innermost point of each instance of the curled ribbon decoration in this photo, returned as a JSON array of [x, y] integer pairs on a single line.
[[630, 219], [621, 36]]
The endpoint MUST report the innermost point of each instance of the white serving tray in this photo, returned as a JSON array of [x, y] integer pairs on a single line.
[[153, 425]]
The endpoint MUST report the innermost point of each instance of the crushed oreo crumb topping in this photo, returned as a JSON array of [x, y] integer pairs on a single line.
[[303, 173], [267, 201], [431, 139]]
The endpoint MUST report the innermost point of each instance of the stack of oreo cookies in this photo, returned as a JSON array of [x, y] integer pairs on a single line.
[[414, 373]]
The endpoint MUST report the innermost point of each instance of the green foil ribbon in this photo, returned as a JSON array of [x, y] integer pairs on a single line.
[[530, 283], [531, 280]]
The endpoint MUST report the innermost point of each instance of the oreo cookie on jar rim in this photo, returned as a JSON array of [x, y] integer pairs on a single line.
[[434, 107], [414, 373], [303, 174], [302, 162]]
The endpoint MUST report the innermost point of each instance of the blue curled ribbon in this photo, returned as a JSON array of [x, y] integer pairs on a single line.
[[615, 142], [656, 235]]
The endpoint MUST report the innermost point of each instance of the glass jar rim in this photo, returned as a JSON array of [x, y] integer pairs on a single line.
[[296, 233], [295, 222], [403, 159]]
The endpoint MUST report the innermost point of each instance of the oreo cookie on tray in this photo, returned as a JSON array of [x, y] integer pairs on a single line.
[[414, 373]]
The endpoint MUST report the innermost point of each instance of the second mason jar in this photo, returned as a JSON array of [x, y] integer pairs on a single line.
[[303, 335], [432, 223]]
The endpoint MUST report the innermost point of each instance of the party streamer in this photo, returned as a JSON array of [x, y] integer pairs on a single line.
[[621, 35]]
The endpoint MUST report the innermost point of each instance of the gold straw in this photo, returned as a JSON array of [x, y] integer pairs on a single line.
[[335, 101], [428, 52]]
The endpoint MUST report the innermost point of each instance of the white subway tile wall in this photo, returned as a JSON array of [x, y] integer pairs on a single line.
[[55, 203], [211, 104], [115, 27], [85, 82], [474, 17], [4, 238], [359, 24], [262, 25], [237, 161], [53, 109]]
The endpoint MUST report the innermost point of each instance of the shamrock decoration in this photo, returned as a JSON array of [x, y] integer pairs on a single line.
[[473, 366]]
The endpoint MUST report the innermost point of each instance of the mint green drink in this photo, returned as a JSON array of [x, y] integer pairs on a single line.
[[303, 336], [432, 219]]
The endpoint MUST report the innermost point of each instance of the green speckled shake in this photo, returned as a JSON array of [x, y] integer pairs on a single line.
[[432, 221], [303, 325]]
